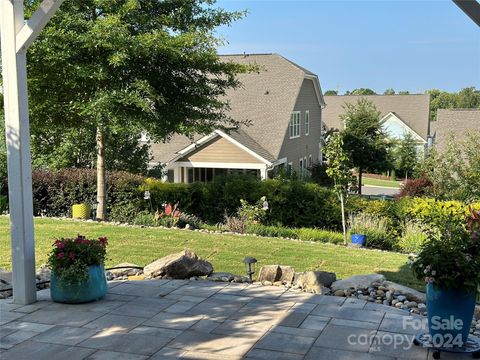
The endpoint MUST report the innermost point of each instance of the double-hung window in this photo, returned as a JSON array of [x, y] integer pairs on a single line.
[[294, 128], [307, 122]]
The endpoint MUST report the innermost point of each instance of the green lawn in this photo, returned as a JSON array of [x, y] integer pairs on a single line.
[[142, 245], [380, 182]]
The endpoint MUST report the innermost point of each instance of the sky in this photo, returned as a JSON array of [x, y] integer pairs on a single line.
[[411, 45]]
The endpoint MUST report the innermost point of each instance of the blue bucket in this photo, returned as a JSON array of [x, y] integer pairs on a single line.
[[93, 289], [450, 314], [359, 239]]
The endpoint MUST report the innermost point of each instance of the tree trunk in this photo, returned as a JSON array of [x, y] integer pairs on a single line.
[[344, 225], [101, 188], [360, 181]]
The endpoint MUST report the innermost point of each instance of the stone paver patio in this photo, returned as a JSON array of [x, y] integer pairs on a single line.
[[163, 319]]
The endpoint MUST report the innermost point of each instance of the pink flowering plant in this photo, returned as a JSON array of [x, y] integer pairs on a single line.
[[70, 258], [450, 258]]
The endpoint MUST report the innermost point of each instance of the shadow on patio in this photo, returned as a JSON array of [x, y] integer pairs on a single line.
[[160, 319]]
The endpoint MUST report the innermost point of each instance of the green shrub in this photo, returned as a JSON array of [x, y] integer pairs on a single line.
[[413, 238], [55, 192], [291, 203]]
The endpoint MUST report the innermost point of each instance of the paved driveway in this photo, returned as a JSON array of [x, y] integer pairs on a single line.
[[206, 320]]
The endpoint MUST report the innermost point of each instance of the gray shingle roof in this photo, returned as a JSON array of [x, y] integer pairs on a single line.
[[414, 110], [456, 122], [265, 99]]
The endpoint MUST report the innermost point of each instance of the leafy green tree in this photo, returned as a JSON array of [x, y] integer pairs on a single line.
[[330, 92], [339, 170], [365, 142], [140, 66], [405, 155], [361, 91], [404, 92], [467, 98], [389, 92], [455, 171]]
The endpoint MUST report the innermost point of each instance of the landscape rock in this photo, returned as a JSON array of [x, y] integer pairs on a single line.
[[357, 282], [273, 273], [221, 276], [5, 276], [182, 265], [126, 271], [315, 280], [43, 273], [409, 293]]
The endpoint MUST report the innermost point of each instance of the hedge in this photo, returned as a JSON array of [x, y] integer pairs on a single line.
[[291, 203]]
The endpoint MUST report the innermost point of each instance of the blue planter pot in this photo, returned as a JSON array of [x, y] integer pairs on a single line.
[[93, 289], [450, 314], [359, 239]]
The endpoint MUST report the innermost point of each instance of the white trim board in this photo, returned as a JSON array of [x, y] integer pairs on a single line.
[[219, 165]]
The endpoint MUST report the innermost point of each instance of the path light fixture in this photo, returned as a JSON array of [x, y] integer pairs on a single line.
[[250, 265]]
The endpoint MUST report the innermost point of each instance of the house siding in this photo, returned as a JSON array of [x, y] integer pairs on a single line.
[[305, 145], [220, 150]]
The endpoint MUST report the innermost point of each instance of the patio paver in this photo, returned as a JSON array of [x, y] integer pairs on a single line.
[[174, 319]]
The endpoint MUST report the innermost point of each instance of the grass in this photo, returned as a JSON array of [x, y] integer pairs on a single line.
[[225, 252], [380, 182]]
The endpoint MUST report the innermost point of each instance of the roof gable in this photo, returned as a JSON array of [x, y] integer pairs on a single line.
[[396, 128]]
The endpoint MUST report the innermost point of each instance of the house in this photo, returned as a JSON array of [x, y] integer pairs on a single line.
[[282, 104], [400, 114], [454, 122]]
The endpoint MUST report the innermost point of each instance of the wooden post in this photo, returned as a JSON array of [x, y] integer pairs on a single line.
[[16, 36]]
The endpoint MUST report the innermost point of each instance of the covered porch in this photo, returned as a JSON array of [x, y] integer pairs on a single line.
[[187, 172]]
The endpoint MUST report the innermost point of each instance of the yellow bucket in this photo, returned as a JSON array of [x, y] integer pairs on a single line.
[[81, 211]]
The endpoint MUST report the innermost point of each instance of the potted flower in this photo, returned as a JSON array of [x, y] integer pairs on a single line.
[[78, 273], [449, 262]]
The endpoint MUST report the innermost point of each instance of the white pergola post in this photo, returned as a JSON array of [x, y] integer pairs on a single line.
[[16, 36]]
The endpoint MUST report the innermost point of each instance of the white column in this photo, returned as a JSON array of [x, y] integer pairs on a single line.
[[177, 175], [18, 153], [263, 173]]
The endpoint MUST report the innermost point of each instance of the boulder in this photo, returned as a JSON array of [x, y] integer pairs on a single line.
[[182, 265], [274, 273], [358, 282], [409, 293], [5, 276], [314, 280], [221, 276], [126, 271], [43, 273]]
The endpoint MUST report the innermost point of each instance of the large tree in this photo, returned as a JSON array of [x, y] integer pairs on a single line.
[[405, 155], [364, 139], [135, 65]]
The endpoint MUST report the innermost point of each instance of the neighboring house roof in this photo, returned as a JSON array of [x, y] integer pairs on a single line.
[[265, 99], [456, 122], [413, 110]]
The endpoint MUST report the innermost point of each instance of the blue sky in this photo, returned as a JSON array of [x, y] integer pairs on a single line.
[[406, 45]]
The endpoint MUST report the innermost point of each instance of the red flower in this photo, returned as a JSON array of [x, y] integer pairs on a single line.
[[60, 255], [103, 241], [168, 209], [59, 244], [71, 255]]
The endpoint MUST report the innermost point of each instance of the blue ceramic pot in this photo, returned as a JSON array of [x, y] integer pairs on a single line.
[[359, 239], [93, 289], [450, 314]]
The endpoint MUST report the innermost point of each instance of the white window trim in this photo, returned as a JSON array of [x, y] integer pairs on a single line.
[[294, 134], [307, 123]]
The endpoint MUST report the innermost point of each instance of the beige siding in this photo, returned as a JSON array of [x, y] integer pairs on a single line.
[[305, 145], [220, 150]]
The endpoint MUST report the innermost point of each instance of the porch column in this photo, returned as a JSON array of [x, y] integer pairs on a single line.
[[177, 174], [263, 173], [17, 131]]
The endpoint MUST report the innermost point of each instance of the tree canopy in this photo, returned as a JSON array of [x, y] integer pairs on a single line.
[[364, 140]]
